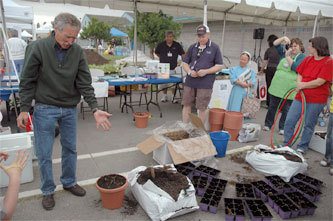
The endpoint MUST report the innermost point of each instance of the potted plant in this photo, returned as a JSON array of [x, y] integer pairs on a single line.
[[112, 189], [141, 119]]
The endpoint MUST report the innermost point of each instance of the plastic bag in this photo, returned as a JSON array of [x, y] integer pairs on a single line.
[[158, 204], [267, 160], [249, 132]]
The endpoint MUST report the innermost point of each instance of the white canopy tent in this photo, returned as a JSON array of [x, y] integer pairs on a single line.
[[282, 13], [18, 17]]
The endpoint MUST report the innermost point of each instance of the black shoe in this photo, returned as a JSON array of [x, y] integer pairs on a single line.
[[48, 202], [76, 190]]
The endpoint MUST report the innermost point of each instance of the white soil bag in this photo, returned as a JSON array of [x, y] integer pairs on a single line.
[[249, 132], [276, 164], [157, 203]]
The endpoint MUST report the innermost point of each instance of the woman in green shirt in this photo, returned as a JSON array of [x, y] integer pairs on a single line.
[[284, 80]]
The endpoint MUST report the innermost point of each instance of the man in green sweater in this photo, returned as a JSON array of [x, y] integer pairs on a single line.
[[56, 75]]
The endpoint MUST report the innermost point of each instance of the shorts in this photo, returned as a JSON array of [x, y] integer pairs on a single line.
[[199, 96]]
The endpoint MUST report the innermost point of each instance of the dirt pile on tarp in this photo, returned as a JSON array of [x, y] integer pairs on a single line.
[[168, 180], [95, 58]]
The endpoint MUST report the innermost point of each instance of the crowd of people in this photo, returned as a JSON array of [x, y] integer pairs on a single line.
[[49, 81]]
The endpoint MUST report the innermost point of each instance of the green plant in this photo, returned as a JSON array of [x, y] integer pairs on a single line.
[[152, 27], [96, 30]]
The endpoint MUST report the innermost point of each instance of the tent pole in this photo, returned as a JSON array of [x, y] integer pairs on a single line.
[[223, 31], [205, 13], [135, 54], [315, 26]]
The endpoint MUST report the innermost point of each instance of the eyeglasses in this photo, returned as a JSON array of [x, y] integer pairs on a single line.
[[199, 53]]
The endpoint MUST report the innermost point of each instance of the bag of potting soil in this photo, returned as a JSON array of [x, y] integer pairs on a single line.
[[249, 132], [283, 162], [157, 203]]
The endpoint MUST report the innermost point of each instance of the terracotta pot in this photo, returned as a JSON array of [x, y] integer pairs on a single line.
[[215, 127], [141, 119], [233, 120], [233, 133], [216, 116], [112, 198]]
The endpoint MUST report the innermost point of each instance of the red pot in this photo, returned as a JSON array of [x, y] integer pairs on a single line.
[[233, 120]]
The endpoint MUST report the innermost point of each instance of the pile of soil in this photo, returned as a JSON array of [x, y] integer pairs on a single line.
[[238, 158], [130, 206], [177, 135], [289, 156], [168, 180], [111, 181], [95, 58]]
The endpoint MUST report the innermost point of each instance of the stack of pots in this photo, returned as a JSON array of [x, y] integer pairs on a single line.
[[216, 118], [233, 122]]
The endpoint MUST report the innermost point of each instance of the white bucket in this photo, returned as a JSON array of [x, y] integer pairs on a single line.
[[12, 143]]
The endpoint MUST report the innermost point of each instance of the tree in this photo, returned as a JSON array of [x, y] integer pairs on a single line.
[[152, 27], [96, 30]]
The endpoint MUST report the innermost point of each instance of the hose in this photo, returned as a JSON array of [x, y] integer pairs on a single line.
[[301, 121]]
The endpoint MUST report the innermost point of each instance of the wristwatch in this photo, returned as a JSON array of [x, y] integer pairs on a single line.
[[94, 110]]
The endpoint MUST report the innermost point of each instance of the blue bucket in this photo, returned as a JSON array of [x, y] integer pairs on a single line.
[[220, 140]]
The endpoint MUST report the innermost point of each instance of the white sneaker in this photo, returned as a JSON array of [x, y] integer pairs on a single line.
[[331, 171], [265, 128], [164, 98], [281, 132], [324, 163], [300, 150]]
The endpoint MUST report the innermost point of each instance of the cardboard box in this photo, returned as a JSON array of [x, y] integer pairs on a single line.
[[163, 71], [318, 143], [180, 151]]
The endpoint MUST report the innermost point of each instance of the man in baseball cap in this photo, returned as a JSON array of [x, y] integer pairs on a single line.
[[202, 30], [203, 59]]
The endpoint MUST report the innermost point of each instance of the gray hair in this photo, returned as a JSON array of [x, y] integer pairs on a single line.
[[64, 19], [169, 32]]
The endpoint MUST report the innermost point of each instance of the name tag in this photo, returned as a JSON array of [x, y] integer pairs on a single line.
[[169, 54]]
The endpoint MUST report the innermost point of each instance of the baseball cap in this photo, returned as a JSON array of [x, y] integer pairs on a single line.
[[202, 29]]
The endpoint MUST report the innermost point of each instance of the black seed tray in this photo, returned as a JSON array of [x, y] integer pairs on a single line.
[[206, 171], [187, 165], [234, 209], [245, 190], [284, 206], [200, 184], [263, 190], [258, 210], [305, 205], [309, 192], [217, 184], [185, 171], [278, 184], [313, 182], [210, 201]]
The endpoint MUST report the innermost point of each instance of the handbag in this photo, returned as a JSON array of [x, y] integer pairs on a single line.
[[250, 105]]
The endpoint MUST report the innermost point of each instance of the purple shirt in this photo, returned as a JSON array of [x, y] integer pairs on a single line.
[[208, 58]]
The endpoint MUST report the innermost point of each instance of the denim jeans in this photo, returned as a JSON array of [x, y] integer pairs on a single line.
[[329, 140], [272, 108], [44, 121], [311, 117], [19, 65]]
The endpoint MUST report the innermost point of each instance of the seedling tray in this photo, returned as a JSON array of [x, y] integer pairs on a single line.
[[284, 206], [313, 182], [305, 205], [309, 192], [257, 210], [234, 209], [245, 190], [263, 190], [278, 184]]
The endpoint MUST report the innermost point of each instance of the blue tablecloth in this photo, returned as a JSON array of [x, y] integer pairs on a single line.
[[5, 92], [119, 82]]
